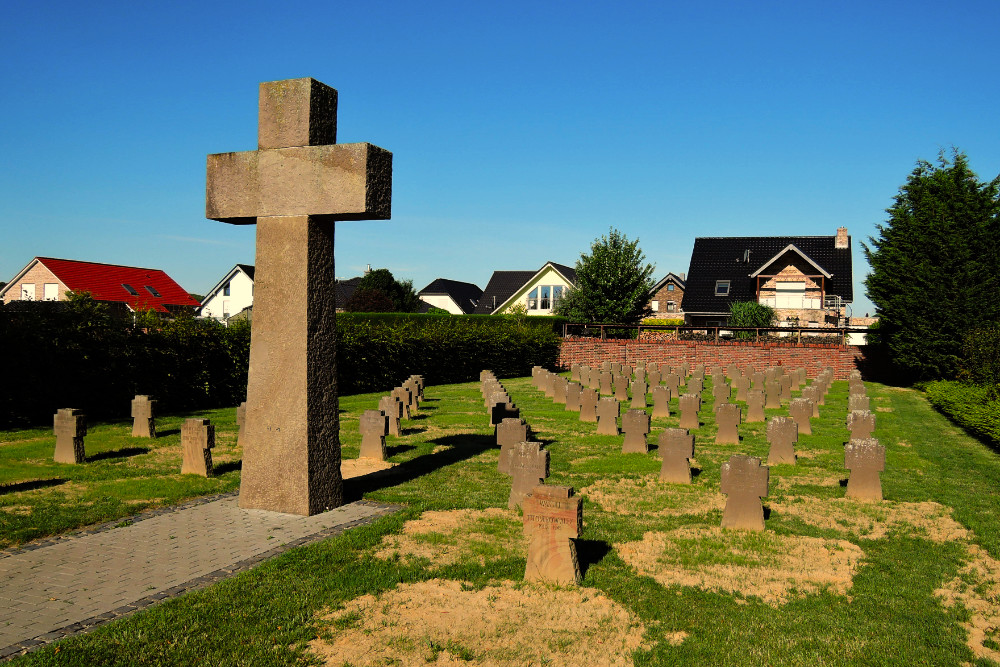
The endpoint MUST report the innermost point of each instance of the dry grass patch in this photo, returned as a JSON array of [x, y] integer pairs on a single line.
[[440, 622], [873, 520], [357, 467], [648, 496], [448, 537], [788, 482], [977, 588], [774, 568]]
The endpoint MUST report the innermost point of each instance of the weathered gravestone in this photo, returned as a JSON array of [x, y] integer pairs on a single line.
[[744, 481], [606, 366], [553, 517], [549, 383], [635, 424], [742, 383], [782, 433], [672, 383], [608, 410], [661, 402], [733, 371], [684, 369], [801, 410], [574, 372], [529, 466], [639, 394], [757, 381], [861, 424], [689, 405], [720, 395], [858, 403], [676, 449], [606, 388], [772, 394], [373, 426], [811, 393], [559, 389], [197, 441], [785, 381], [402, 394], [728, 418], [70, 427], [294, 186], [654, 378], [393, 410], [621, 388], [755, 406], [510, 432], [573, 390], [595, 379], [865, 459], [143, 417], [588, 405], [694, 385]]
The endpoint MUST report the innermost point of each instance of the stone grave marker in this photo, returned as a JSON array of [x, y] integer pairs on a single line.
[[548, 383], [143, 417], [801, 410], [772, 396], [744, 481], [856, 387], [639, 390], [559, 390], [402, 395], [653, 367], [858, 402], [811, 392], [733, 371], [757, 381], [782, 434], [694, 385], [676, 448], [393, 410], [373, 426], [635, 424], [749, 370], [684, 369], [552, 518], [661, 402], [502, 411], [861, 425], [785, 382], [197, 441], [510, 432], [755, 406], [70, 428], [720, 395], [584, 376], [574, 372], [865, 459], [595, 379], [606, 388], [529, 466], [573, 390], [728, 418], [689, 405], [608, 410], [535, 370], [672, 383], [621, 388], [742, 383], [588, 405], [654, 378]]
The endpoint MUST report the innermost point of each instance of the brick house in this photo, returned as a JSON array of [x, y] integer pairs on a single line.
[[666, 298], [808, 280], [131, 288]]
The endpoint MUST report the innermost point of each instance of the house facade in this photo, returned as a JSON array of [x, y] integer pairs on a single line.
[[458, 298], [539, 291], [231, 295], [667, 297], [808, 280]]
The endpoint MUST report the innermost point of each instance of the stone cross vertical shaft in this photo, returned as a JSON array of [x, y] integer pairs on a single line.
[[294, 187]]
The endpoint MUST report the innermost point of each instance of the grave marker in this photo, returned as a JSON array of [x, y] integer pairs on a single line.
[[801, 410], [689, 405], [755, 406], [510, 432], [676, 448], [661, 402], [865, 459], [672, 383], [728, 418], [782, 433], [608, 410], [197, 441], [639, 390], [573, 390], [70, 427], [143, 417], [529, 466], [745, 482], [373, 426], [559, 389], [621, 388], [588, 405], [772, 394], [858, 402], [861, 424], [635, 424], [606, 388], [393, 410], [553, 516]]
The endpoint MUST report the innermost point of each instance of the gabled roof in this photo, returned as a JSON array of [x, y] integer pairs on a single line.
[[739, 259], [153, 288], [669, 278], [790, 248], [344, 289], [245, 268], [504, 285], [465, 295]]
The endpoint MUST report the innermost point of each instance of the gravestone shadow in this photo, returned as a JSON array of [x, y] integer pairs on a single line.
[[590, 552], [695, 471], [123, 453], [168, 432], [413, 430], [30, 485], [392, 450], [228, 466]]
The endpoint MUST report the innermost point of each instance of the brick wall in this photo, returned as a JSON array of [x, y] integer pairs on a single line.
[[814, 358], [666, 294], [38, 275]]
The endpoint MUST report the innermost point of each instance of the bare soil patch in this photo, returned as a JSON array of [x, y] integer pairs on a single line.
[[977, 588], [772, 567], [439, 622], [873, 520], [356, 467], [448, 537], [648, 496]]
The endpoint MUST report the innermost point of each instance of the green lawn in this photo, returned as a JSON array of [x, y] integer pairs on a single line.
[[831, 582]]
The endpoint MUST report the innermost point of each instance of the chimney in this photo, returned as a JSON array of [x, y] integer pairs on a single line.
[[841, 242]]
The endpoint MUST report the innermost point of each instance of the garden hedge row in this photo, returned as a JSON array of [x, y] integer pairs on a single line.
[[975, 408]]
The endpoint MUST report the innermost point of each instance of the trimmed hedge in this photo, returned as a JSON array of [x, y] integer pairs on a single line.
[[975, 408]]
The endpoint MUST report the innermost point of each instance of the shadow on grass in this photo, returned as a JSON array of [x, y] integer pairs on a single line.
[[123, 453], [415, 417], [30, 485], [695, 471], [457, 448], [169, 432], [412, 430], [228, 466], [590, 552], [392, 450]]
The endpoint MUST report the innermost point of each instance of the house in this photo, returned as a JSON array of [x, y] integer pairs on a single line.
[[231, 295], [666, 298], [540, 291], [132, 288], [808, 280], [344, 289], [456, 297]]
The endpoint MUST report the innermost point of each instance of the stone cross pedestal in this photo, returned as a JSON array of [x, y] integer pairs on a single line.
[[573, 390], [197, 441], [744, 481], [374, 426], [553, 517], [529, 466], [865, 459], [727, 417], [510, 432], [70, 427], [588, 405], [661, 402], [676, 448], [393, 409], [689, 405], [861, 425], [801, 410], [294, 187], [782, 433], [608, 410], [755, 406], [143, 417], [635, 424]]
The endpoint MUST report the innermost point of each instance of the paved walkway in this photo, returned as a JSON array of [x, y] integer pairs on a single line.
[[72, 584]]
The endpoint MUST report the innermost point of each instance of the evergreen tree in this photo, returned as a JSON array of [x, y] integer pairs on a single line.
[[935, 267], [612, 283]]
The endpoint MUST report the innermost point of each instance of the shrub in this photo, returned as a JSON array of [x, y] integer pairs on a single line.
[[981, 356], [750, 314], [974, 408]]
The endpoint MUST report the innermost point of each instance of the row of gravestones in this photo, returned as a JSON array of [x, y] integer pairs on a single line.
[[197, 436], [375, 425]]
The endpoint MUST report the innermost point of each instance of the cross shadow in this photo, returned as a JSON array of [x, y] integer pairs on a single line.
[[415, 417], [125, 452], [456, 448], [412, 430], [843, 482], [168, 432], [30, 485], [228, 466], [590, 552], [392, 450], [695, 471], [767, 512]]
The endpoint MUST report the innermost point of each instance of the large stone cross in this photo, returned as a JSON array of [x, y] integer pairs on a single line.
[[293, 187], [744, 481]]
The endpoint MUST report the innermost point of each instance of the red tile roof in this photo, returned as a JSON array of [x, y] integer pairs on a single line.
[[105, 283]]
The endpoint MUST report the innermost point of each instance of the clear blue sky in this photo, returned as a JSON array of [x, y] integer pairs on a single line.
[[520, 130]]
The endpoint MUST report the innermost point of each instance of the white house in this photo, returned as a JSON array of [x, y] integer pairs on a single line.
[[230, 295], [540, 291]]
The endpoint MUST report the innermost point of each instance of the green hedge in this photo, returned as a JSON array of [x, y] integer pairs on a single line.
[[973, 407]]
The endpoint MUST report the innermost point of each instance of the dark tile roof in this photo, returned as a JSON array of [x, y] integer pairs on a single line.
[[466, 295], [725, 258], [568, 271], [247, 269], [501, 287], [344, 289]]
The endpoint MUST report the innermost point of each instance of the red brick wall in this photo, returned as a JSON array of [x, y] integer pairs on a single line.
[[813, 358]]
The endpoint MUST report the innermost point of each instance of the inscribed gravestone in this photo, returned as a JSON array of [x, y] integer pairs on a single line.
[[785, 381], [865, 459], [70, 427], [510, 432], [635, 424], [801, 410], [661, 402], [720, 395], [782, 433], [373, 426], [757, 381], [608, 410], [197, 441], [588, 405], [858, 402], [621, 388], [574, 372], [606, 388], [811, 393], [742, 387], [553, 517], [744, 481], [672, 383], [393, 410], [772, 394], [694, 385], [143, 417], [861, 424], [676, 448], [573, 390], [755, 406], [559, 390], [639, 394], [689, 404], [654, 378], [727, 416], [595, 379], [529, 466]]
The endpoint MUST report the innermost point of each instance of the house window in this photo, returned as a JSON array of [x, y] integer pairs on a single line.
[[226, 291], [152, 290], [670, 288], [557, 294], [545, 297], [27, 291], [130, 289], [721, 288], [533, 299], [671, 307], [51, 291], [655, 306], [790, 294]]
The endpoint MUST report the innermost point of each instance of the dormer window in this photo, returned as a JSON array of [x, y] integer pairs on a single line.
[[152, 290], [130, 289], [721, 288]]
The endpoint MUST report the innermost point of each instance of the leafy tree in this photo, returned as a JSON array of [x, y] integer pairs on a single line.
[[612, 283], [372, 300], [750, 314], [401, 294], [935, 267]]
